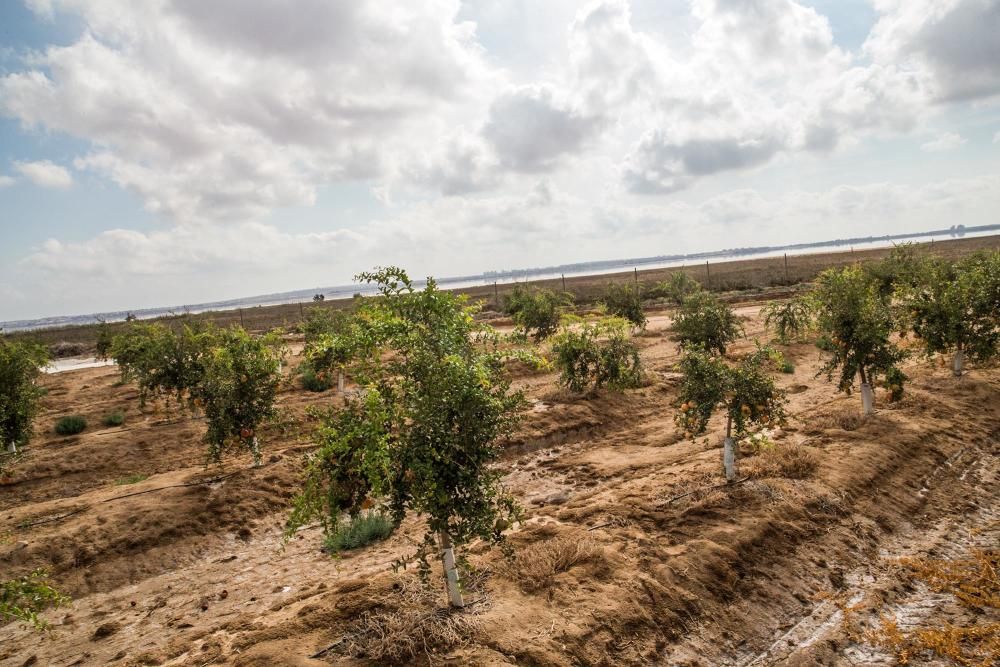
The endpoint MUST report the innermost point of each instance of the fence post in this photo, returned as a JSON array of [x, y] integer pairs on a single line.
[[786, 268], [708, 275], [241, 319], [496, 293], [636, 271], [564, 281]]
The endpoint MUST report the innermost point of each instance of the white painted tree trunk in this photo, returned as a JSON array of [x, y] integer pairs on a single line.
[[11, 448], [867, 399], [340, 382], [729, 458], [450, 570], [956, 363]]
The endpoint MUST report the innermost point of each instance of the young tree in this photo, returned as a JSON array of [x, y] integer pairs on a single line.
[[678, 286], [903, 267], [858, 320], [537, 311], [704, 321], [951, 310], [789, 319], [237, 390], [22, 599], [163, 363], [597, 355], [427, 427], [625, 301], [746, 392], [20, 366]]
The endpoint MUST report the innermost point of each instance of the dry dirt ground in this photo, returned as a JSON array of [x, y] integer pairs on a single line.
[[630, 553]]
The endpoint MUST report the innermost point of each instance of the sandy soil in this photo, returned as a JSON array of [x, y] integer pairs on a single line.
[[617, 566]]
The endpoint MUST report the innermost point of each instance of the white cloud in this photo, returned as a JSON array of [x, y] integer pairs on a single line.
[[944, 142], [45, 174], [952, 44], [6, 181], [996, 137]]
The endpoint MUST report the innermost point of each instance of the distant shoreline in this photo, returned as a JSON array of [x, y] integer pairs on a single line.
[[487, 279]]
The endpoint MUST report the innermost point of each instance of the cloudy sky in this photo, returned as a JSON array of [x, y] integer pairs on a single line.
[[166, 152]]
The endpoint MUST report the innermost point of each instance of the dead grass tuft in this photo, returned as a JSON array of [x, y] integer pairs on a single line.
[[537, 564], [845, 420], [415, 625], [975, 582], [791, 461]]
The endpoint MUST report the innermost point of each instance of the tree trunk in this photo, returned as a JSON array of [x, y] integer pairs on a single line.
[[450, 571], [729, 452], [11, 447], [867, 399], [340, 382], [956, 363]]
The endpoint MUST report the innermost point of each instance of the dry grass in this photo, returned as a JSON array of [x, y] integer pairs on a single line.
[[415, 625], [791, 461], [845, 420], [975, 582], [537, 564]]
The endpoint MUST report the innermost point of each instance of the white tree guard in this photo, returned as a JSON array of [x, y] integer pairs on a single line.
[[729, 458], [867, 399], [340, 382], [956, 363], [450, 571]]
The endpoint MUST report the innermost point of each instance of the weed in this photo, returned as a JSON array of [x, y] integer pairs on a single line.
[[789, 461], [787, 367], [70, 425], [131, 479], [537, 564], [116, 418], [360, 530]]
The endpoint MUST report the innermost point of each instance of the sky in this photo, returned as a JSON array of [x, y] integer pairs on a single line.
[[171, 152]]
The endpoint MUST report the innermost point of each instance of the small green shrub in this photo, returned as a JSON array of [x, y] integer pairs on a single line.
[[704, 321], [70, 425], [360, 530], [313, 380], [825, 343], [597, 355], [116, 418], [536, 311], [790, 320], [787, 367], [678, 287], [625, 301], [131, 479]]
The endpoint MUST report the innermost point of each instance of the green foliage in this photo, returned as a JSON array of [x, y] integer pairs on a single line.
[[536, 311], [895, 380], [22, 599], [428, 425], [787, 367], [131, 479], [825, 343], [790, 319], [954, 306], [161, 362], [704, 321], [360, 530], [116, 418], [105, 339], [20, 366], [901, 269], [597, 355], [745, 391], [320, 320], [858, 320], [625, 301], [678, 286], [70, 425], [313, 380], [238, 388]]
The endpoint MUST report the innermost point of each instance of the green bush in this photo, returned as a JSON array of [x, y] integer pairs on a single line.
[[787, 367], [625, 301], [790, 319], [313, 380], [360, 530], [704, 321], [116, 418], [20, 366], [597, 355], [70, 425], [536, 311], [678, 287]]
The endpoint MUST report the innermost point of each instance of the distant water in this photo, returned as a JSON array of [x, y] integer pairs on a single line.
[[591, 268]]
